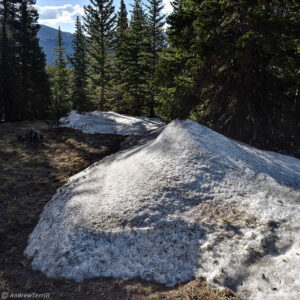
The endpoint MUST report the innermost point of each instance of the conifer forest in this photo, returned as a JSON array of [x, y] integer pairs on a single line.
[[150, 149], [231, 65]]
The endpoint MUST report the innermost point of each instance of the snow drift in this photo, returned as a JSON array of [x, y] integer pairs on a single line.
[[109, 123], [189, 203]]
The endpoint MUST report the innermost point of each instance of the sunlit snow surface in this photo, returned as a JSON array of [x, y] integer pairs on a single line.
[[109, 123], [189, 203]]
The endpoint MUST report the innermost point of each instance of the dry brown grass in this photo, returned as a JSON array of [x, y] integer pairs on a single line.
[[29, 177]]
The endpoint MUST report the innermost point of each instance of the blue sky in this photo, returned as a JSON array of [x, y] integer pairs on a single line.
[[62, 13]]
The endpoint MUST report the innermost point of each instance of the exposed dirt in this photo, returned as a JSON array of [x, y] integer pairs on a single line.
[[30, 173]]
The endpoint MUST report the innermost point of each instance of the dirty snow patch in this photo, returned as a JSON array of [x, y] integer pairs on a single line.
[[189, 203], [110, 123]]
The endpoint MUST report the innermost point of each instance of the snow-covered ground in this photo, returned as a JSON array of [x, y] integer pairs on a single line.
[[109, 123], [188, 203]]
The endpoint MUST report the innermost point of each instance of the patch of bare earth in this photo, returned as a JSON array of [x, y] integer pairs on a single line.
[[30, 173]]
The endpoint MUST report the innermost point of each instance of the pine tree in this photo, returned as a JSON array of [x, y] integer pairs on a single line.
[[175, 75], [157, 42], [177, 23], [59, 76], [34, 82], [120, 45], [241, 62], [100, 26], [137, 61], [24, 90], [79, 63], [9, 67], [122, 23]]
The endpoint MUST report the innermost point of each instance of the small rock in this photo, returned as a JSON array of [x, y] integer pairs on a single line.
[[31, 136]]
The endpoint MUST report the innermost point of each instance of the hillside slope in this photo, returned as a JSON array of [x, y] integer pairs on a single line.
[[48, 37]]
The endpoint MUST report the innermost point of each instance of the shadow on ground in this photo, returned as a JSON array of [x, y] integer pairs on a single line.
[[29, 177]]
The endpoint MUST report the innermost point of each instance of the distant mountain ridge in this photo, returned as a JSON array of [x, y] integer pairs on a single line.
[[48, 37]]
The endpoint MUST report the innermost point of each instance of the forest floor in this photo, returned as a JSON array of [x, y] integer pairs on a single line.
[[30, 173]]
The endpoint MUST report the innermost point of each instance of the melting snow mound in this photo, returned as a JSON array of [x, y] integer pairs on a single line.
[[109, 123], [189, 203]]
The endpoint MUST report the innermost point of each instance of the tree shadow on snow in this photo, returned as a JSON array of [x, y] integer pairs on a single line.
[[269, 247], [166, 252]]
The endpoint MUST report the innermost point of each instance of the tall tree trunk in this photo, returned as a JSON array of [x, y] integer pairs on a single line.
[[102, 71], [101, 103], [151, 105], [4, 65]]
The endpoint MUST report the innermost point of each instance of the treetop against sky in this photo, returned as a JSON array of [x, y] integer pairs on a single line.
[[62, 13]]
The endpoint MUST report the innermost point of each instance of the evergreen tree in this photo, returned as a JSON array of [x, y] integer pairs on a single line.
[[24, 92], [177, 24], [100, 26], [59, 75], [174, 72], [34, 82], [120, 45], [122, 23], [137, 61], [79, 63], [157, 42], [9, 67], [239, 60]]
